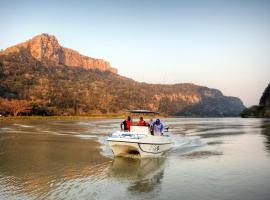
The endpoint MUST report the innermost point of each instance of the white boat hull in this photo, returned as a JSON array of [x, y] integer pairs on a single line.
[[149, 146]]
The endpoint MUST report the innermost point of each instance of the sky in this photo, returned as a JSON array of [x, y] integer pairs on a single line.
[[222, 44]]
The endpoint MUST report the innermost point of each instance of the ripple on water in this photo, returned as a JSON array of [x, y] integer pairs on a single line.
[[184, 144], [104, 146], [202, 154], [85, 183], [24, 126], [206, 155]]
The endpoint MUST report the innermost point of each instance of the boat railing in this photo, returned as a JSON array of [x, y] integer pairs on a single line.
[[133, 135]]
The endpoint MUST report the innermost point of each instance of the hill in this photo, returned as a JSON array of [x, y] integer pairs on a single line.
[[263, 109], [46, 49], [60, 81]]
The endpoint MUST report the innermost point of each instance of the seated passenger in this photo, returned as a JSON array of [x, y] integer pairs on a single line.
[[142, 122], [126, 123]]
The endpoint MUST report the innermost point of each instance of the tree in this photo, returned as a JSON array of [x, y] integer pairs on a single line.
[[14, 107], [39, 109]]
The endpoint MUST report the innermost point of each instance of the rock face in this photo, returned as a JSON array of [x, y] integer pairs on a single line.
[[46, 49], [60, 81], [265, 99], [263, 109]]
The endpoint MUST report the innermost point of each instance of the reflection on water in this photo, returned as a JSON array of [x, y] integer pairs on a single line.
[[266, 132], [202, 154], [145, 173], [213, 158]]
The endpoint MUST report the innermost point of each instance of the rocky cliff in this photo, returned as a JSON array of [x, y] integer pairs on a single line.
[[265, 99], [263, 109], [42, 72], [46, 49]]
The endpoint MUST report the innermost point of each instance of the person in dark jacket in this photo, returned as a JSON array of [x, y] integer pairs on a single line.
[[126, 124]]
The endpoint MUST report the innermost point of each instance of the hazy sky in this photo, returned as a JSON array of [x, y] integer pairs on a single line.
[[219, 44]]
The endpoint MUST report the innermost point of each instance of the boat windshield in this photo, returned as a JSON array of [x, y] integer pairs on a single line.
[[141, 114], [137, 114]]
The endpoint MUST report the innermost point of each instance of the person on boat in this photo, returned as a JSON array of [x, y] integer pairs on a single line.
[[142, 122], [158, 128], [126, 124], [150, 124]]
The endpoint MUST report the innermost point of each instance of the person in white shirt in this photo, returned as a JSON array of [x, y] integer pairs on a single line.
[[158, 128]]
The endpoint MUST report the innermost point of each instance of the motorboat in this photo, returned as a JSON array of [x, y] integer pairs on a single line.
[[139, 141]]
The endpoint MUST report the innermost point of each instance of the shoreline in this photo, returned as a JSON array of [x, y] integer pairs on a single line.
[[61, 117], [77, 117], [71, 117]]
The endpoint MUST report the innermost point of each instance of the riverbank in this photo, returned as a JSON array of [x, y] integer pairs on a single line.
[[61, 117], [109, 116]]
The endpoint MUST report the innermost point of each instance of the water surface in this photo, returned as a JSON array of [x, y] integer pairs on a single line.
[[213, 158]]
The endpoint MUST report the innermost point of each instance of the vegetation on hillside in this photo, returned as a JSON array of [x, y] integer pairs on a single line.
[[263, 109], [62, 90]]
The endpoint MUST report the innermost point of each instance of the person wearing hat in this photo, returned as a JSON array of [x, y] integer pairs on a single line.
[[158, 128]]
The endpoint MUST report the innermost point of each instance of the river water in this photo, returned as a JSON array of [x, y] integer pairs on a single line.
[[212, 158]]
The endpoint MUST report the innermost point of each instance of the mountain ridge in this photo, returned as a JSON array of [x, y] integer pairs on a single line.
[[69, 90], [263, 109], [46, 48]]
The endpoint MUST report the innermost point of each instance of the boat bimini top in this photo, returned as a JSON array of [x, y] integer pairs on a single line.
[[143, 112]]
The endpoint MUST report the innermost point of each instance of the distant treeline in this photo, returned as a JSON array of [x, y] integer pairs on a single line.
[[16, 107]]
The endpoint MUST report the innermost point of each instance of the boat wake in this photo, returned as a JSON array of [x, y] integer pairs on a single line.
[[185, 144], [104, 147]]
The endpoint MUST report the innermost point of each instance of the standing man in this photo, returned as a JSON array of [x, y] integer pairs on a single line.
[[158, 128], [150, 124], [126, 124]]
